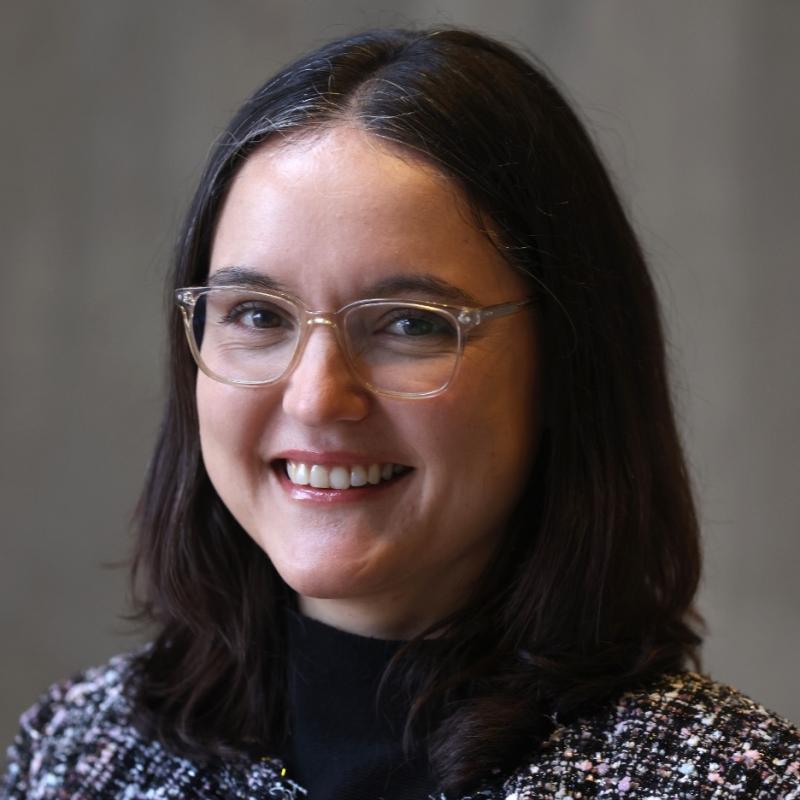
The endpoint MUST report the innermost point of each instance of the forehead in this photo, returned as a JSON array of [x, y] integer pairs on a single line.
[[343, 210]]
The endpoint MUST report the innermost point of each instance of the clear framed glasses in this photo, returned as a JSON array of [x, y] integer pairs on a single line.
[[396, 348]]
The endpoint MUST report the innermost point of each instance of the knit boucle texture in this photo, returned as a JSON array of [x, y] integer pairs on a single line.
[[683, 736]]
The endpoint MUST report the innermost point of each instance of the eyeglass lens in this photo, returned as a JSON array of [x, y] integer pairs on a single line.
[[398, 347]]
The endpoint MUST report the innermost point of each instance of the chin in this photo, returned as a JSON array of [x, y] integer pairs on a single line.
[[320, 588], [324, 578]]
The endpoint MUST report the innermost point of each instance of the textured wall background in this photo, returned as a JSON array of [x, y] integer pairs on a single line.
[[108, 112]]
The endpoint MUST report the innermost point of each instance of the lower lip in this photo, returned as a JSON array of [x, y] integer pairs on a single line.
[[353, 495]]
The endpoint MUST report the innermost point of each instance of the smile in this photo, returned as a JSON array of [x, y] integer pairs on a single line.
[[341, 476]]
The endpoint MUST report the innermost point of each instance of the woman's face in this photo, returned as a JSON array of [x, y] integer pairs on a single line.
[[329, 218]]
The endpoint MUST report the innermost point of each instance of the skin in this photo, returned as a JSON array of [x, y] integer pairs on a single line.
[[328, 217]]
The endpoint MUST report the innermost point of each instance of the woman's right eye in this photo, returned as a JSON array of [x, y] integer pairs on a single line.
[[254, 315]]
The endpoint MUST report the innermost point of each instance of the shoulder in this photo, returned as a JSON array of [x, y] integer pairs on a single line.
[[79, 739], [681, 736]]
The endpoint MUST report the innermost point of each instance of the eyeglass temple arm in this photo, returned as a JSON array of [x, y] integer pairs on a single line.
[[472, 317]]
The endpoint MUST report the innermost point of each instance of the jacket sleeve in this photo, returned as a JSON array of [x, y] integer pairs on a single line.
[[15, 781], [26, 754]]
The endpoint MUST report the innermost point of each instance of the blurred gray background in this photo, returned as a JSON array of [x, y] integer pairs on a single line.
[[109, 108]]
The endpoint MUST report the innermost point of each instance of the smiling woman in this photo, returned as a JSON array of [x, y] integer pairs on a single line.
[[418, 523], [392, 558]]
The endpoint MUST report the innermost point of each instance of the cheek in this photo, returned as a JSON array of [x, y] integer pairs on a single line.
[[488, 430], [231, 425], [482, 435]]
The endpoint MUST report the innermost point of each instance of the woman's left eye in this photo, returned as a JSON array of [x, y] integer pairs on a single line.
[[417, 324]]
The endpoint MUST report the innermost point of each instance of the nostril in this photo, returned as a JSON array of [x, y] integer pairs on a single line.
[[323, 389], [326, 407]]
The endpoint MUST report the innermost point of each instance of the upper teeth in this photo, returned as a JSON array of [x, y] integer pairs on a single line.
[[340, 476]]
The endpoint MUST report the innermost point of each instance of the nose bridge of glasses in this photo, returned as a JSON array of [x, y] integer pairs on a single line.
[[322, 318], [326, 319]]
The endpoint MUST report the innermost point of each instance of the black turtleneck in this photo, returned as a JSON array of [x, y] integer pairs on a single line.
[[341, 746]]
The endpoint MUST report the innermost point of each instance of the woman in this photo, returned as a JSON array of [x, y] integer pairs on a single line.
[[418, 521]]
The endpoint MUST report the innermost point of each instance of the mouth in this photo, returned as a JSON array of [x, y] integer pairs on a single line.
[[339, 477]]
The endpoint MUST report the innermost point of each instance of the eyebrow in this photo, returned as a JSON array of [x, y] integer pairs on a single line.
[[424, 284], [428, 285], [243, 276]]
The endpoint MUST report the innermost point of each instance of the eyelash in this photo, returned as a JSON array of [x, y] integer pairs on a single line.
[[234, 314]]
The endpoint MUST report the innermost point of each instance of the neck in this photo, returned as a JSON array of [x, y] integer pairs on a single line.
[[377, 621]]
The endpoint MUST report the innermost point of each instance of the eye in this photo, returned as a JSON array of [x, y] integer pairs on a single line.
[[411, 322], [255, 315]]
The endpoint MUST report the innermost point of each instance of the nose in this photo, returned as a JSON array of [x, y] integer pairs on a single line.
[[322, 388]]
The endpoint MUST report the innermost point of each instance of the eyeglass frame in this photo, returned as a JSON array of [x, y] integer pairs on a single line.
[[465, 319]]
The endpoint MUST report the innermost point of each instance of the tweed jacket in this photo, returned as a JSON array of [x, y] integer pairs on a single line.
[[684, 736]]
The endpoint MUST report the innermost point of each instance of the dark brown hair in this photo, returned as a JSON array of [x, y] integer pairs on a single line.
[[591, 590]]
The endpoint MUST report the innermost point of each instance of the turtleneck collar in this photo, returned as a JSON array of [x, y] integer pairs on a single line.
[[344, 744]]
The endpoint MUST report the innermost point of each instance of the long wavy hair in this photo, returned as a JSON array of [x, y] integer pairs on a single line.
[[591, 590]]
